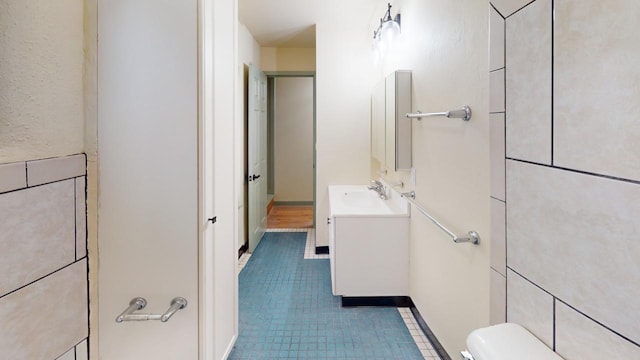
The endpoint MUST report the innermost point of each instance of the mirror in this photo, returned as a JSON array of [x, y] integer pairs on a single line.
[[390, 129], [378, 123]]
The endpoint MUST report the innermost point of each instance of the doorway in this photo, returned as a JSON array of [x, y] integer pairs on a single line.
[[290, 139], [291, 148]]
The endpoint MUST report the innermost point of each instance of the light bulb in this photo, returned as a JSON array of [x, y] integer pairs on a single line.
[[389, 31]]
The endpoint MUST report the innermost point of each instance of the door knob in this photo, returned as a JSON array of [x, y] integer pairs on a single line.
[[255, 177]]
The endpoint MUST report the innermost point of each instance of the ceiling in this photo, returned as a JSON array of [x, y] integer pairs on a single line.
[[281, 23]]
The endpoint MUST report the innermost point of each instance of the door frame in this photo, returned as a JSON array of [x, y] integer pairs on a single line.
[[216, 173], [270, 120]]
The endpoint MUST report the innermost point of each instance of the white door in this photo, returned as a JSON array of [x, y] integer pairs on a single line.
[[151, 213], [257, 176]]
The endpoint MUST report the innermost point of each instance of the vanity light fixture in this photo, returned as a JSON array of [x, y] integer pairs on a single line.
[[385, 34]]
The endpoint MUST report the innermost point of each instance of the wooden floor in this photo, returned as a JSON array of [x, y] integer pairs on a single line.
[[290, 217]]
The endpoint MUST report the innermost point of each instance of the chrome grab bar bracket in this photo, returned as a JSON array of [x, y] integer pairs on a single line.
[[178, 303], [472, 236], [464, 114], [139, 303]]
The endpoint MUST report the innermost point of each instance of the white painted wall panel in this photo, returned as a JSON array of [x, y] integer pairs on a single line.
[[148, 146]]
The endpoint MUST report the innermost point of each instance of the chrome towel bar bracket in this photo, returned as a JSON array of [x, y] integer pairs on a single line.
[[464, 114], [471, 237], [139, 303]]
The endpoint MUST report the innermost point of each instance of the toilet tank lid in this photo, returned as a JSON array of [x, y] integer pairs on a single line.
[[507, 341]]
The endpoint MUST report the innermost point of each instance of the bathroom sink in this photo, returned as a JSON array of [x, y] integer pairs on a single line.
[[358, 200]]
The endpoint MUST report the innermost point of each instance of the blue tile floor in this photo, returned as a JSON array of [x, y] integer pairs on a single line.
[[287, 311]]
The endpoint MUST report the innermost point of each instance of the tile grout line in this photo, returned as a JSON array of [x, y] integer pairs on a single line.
[[427, 350]]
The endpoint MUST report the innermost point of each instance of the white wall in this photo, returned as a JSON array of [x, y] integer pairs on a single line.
[[444, 43], [293, 139], [345, 76], [149, 179], [41, 79], [288, 59]]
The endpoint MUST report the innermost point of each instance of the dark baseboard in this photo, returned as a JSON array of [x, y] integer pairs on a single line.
[[243, 249], [395, 301], [322, 250], [429, 334]]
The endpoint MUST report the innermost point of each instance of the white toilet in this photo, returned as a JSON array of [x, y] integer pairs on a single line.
[[506, 342]]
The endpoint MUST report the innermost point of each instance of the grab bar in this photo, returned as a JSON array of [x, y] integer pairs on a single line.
[[464, 114], [139, 303], [471, 237]]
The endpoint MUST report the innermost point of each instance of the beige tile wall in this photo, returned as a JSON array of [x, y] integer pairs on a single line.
[[530, 306], [498, 274], [497, 312], [596, 87], [38, 231], [43, 290], [578, 337], [528, 84], [497, 153], [574, 235], [572, 174]]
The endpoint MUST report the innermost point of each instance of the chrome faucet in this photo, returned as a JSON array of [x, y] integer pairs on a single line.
[[379, 188]]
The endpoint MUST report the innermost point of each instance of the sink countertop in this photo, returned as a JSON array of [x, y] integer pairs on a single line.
[[359, 201]]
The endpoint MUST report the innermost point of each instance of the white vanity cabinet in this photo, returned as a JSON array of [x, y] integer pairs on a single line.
[[369, 256], [368, 244]]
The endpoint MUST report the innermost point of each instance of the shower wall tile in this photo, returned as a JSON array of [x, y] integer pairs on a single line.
[[596, 87], [38, 231], [54, 169], [529, 83], [530, 307], [45, 319], [575, 235], [81, 218], [496, 96], [496, 40], [578, 337], [498, 301], [82, 351], [508, 7], [69, 355], [498, 237], [497, 153], [12, 176]]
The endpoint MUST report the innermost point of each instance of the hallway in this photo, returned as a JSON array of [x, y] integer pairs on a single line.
[[290, 217], [287, 312]]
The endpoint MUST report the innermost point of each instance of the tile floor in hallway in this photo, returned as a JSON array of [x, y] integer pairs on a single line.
[[287, 311]]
